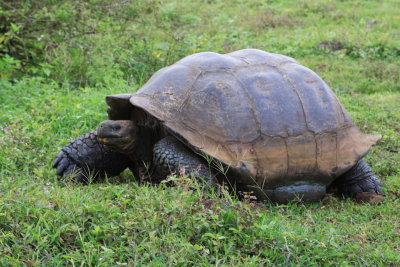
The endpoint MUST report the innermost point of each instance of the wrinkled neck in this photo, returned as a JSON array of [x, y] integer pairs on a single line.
[[142, 149], [127, 148]]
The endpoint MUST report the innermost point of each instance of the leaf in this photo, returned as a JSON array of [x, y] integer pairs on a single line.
[[209, 235], [46, 72], [15, 27], [96, 230], [198, 247]]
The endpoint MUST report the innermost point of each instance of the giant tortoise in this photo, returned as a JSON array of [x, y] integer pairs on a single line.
[[274, 124]]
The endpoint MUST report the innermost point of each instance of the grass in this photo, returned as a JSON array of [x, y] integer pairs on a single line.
[[44, 221]]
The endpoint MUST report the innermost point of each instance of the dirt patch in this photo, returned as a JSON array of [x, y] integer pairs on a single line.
[[268, 19], [321, 66], [331, 45], [394, 193], [366, 197]]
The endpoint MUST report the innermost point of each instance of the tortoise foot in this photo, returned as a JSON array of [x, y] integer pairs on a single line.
[[171, 157], [359, 179]]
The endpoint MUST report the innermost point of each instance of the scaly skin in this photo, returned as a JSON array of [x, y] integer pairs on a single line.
[[358, 179], [171, 156], [89, 158]]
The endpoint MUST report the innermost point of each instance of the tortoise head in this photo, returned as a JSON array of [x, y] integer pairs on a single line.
[[122, 135]]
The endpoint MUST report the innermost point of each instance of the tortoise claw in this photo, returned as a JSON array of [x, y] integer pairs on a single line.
[[62, 166], [58, 159]]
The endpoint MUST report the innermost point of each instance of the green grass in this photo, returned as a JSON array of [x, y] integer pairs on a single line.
[[44, 221]]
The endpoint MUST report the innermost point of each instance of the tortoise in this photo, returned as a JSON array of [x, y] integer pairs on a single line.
[[273, 124]]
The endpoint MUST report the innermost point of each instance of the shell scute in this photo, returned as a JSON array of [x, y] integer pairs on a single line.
[[273, 101], [321, 108], [254, 57], [209, 61], [210, 104]]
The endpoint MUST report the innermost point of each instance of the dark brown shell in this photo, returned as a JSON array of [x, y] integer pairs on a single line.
[[264, 115]]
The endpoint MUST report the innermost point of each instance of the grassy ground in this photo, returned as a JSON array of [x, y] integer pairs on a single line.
[[353, 45]]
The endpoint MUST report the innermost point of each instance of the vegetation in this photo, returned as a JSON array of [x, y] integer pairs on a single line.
[[58, 59]]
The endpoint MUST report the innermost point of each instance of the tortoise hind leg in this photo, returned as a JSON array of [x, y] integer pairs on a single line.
[[171, 156], [359, 182]]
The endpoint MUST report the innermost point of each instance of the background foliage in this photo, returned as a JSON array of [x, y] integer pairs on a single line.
[[58, 59]]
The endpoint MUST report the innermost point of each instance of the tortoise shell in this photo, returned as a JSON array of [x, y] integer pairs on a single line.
[[270, 119]]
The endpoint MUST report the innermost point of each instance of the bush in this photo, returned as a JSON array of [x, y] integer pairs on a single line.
[[79, 41]]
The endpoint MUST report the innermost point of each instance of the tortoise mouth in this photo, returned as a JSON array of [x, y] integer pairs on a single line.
[[114, 140]]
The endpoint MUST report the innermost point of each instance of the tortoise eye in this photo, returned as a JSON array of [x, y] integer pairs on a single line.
[[116, 128]]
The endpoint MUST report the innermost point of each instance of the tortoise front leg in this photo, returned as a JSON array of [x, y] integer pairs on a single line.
[[89, 159], [171, 156], [357, 181]]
